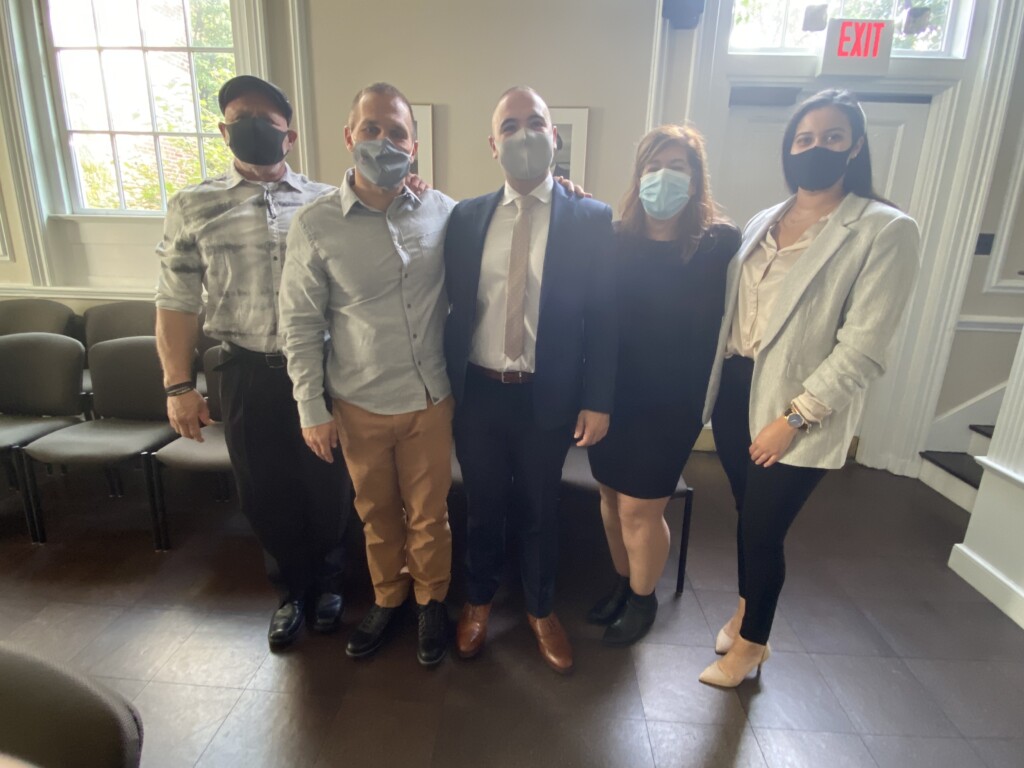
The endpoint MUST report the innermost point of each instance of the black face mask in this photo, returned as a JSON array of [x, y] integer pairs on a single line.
[[816, 168], [255, 141]]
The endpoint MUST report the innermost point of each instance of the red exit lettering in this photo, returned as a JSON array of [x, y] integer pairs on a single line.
[[860, 39]]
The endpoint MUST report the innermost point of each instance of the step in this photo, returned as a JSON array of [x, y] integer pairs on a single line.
[[981, 438], [955, 475]]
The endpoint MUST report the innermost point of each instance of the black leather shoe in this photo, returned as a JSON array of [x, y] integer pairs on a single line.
[[369, 635], [433, 633], [285, 624], [327, 615], [607, 609], [634, 622]]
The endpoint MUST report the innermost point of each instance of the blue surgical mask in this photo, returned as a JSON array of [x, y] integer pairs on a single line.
[[664, 193], [381, 163]]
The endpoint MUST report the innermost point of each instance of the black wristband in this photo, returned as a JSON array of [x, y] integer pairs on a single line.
[[178, 389]]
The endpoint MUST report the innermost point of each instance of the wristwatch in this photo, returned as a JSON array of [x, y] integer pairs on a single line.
[[795, 419]]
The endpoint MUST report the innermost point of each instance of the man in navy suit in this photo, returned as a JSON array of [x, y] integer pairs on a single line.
[[530, 345]]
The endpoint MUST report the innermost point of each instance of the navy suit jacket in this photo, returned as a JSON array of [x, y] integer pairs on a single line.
[[577, 337]]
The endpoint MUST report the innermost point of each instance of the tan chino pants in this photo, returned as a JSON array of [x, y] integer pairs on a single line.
[[401, 471]]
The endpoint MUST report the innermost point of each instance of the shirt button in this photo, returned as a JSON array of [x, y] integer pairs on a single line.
[[408, 306], [415, 336], [275, 258], [406, 274]]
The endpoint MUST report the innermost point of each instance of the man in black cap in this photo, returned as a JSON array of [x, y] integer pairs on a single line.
[[228, 234]]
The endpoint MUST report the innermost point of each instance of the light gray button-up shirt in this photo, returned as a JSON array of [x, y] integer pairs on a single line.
[[229, 234], [375, 281]]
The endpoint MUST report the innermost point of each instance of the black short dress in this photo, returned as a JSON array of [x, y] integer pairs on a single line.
[[670, 311]]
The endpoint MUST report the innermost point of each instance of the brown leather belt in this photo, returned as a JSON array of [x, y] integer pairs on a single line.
[[505, 377]]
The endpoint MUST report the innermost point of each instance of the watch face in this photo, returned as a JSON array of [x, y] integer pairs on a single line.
[[795, 420]]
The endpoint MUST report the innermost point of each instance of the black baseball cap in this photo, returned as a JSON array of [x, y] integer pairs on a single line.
[[243, 84]]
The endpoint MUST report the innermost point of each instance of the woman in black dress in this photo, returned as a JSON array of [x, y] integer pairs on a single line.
[[672, 252]]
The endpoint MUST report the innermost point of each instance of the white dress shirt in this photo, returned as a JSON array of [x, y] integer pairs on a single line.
[[487, 348]]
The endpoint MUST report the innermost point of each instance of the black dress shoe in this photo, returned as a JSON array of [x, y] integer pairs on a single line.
[[634, 622], [285, 624], [327, 615], [433, 633], [607, 609], [369, 635]]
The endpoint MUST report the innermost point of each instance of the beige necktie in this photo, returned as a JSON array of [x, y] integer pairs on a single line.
[[518, 266]]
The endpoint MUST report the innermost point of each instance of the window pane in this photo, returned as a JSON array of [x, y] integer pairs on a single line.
[[117, 22], [71, 23], [83, 90], [163, 22], [757, 24], [212, 71], [125, 75], [94, 163], [218, 156], [866, 9], [926, 27], [211, 23], [172, 91], [180, 157], [140, 177]]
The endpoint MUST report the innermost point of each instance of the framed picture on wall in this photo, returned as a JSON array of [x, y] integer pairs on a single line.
[[423, 121], [571, 148]]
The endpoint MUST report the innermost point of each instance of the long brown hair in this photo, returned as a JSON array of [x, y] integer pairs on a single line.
[[700, 211]]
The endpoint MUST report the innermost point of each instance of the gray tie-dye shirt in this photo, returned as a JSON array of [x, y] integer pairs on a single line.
[[228, 234]]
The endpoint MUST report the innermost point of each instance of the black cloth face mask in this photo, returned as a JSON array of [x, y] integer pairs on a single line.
[[255, 141], [816, 168]]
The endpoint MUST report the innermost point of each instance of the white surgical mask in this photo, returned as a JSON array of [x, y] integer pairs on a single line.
[[664, 193], [526, 154]]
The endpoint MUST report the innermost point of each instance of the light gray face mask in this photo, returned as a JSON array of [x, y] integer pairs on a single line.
[[381, 163], [526, 154]]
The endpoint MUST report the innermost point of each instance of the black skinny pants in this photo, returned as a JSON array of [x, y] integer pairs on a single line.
[[767, 499]]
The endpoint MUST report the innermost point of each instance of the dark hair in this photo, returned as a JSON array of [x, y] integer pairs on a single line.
[[700, 212], [381, 89], [858, 172]]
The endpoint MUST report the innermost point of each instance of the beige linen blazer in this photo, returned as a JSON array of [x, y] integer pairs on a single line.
[[832, 324]]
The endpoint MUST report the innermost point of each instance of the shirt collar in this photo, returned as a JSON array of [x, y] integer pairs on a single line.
[[291, 178], [349, 198], [542, 192]]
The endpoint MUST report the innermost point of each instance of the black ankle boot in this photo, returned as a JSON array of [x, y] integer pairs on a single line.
[[634, 622], [608, 608]]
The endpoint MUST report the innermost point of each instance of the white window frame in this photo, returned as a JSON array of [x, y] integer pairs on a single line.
[[958, 21], [74, 182]]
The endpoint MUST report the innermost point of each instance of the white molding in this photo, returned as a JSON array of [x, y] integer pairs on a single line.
[[995, 281], [990, 323], [950, 215], [951, 431], [12, 291], [989, 581], [249, 26], [13, 113], [302, 85], [659, 56], [948, 485], [6, 253], [992, 465]]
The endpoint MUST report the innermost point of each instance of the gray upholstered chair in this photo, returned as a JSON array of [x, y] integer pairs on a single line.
[[131, 419], [33, 315], [187, 455], [116, 320], [55, 717], [39, 376]]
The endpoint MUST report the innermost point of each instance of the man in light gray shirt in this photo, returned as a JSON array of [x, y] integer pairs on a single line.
[[366, 265]]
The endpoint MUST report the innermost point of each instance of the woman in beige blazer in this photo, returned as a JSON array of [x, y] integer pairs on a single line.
[[813, 298]]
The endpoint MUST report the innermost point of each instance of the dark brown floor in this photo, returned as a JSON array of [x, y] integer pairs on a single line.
[[884, 657]]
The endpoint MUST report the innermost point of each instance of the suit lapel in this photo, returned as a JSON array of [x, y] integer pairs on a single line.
[[561, 212], [817, 255], [477, 236]]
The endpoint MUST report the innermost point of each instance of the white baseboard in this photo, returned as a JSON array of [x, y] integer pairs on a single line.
[[992, 583], [951, 430], [953, 488]]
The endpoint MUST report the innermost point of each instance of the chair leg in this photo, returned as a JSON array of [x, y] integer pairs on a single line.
[[155, 487], [10, 468], [684, 540], [35, 505], [17, 464]]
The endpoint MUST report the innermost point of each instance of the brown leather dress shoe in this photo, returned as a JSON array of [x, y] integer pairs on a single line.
[[472, 629], [553, 642]]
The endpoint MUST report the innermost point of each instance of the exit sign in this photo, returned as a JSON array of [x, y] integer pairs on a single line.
[[857, 47]]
